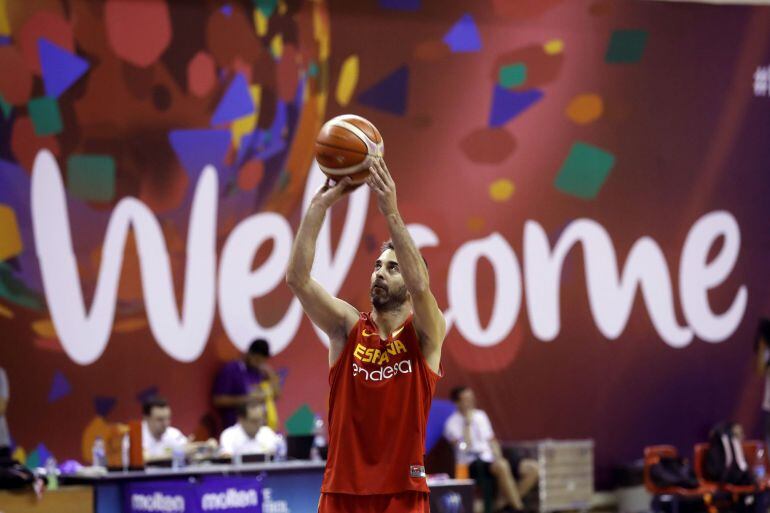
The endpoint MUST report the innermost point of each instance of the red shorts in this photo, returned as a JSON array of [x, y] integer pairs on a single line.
[[406, 502]]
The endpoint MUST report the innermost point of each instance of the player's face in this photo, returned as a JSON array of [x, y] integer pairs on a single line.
[[387, 290]]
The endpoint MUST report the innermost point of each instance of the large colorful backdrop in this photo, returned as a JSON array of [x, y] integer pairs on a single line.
[[588, 181]]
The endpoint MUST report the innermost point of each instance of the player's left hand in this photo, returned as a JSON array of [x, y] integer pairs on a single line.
[[380, 181]]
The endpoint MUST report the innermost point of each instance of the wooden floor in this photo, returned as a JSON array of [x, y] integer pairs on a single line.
[[71, 499]]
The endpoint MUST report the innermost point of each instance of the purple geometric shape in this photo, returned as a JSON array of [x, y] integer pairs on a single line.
[[61, 68], [506, 104], [400, 5], [198, 148], [463, 36], [5, 40], [235, 103], [59, 388], [283, 373], [43, 453], [104, 405], [389, 94], [227, 10], [147, 393]]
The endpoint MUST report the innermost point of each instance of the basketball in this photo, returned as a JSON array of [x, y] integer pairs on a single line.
[[346, 145]]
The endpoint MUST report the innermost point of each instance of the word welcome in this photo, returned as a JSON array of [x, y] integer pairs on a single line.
[[231, 284]]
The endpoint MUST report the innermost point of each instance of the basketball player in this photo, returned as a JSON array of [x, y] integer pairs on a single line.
[[384, 364]]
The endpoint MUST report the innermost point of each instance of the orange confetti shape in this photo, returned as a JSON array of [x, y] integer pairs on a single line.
[[585, 108]]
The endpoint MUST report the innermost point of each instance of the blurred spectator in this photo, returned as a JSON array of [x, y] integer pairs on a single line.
[[5, 435], [249, 435], [159, 438], [470, 432], [762, 350], [248, 379]]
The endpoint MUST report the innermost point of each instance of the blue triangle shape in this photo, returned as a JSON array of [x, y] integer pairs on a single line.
[[463, 36], [198, 148], [61, 68], [389, 94], [59, 388], [235, 103], [43, 453], [506, 104], [104, 405]]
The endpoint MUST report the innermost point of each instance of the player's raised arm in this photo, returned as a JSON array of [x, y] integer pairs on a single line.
[[428, 318], [332, 315]]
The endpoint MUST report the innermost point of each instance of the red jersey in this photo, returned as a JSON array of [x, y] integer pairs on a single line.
[[379, 401]]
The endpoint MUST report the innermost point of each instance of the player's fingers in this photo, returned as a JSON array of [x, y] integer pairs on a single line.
[[377, 167], [377, 178], [386, 173], [370, 182]]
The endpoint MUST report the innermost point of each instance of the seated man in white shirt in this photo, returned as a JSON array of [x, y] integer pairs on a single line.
[[470, 432], [159, 438], [250, 434]]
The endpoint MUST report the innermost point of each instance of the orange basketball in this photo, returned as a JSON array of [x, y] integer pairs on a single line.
[[346, 145]]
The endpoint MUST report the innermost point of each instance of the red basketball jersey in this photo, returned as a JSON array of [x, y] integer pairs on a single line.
[[379, 401]]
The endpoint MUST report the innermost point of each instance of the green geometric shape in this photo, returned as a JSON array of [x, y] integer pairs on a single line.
[[33, 460], [6, 108], [626, 46], [14, 290], [512, 75], [312, 70], [301, 421], [91, 177], [584, 171], [266, 6], [45, 115]]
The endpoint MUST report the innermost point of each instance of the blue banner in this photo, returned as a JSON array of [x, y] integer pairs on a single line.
[[293, 492], [210, 495]]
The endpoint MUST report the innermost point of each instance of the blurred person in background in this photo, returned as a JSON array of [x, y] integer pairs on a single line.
[[470, 432], [250, 434], [5, 434], [762, 350], [250, 378], [159, 437]]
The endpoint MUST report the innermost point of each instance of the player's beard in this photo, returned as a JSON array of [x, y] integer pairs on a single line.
[[385, 300]]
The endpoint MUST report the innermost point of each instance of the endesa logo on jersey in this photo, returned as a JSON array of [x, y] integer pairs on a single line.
[[383, 373]]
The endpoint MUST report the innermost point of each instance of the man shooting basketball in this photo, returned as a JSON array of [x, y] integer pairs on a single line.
[[384, 365]]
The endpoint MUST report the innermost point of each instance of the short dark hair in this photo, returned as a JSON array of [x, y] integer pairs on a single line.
[[388, 244], [454, 394], [243, 409], [260, 346], [155, 401]]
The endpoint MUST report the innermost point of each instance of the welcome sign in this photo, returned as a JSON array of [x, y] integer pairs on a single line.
[[587, 183]]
